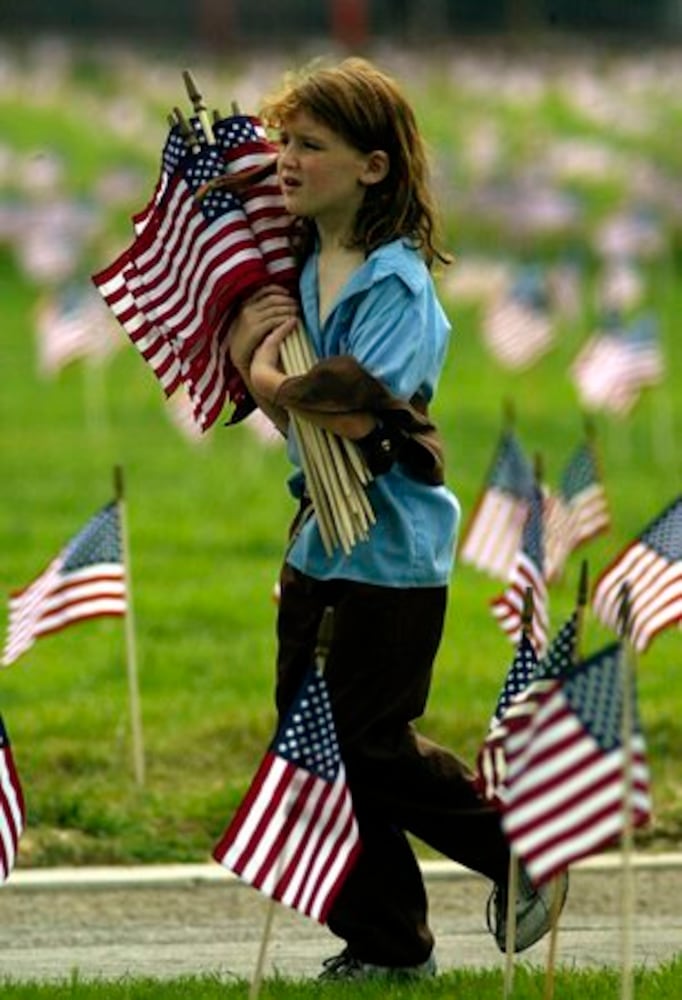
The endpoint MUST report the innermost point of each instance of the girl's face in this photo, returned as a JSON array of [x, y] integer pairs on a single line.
[[322, 177]]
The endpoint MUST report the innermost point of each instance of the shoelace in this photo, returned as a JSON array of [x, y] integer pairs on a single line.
[[343, 962]]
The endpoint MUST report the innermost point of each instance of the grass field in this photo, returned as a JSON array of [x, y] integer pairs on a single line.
[[649, 984], [207, 523]]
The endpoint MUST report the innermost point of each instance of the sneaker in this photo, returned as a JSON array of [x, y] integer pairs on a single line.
[[533, 910], [346, 966]]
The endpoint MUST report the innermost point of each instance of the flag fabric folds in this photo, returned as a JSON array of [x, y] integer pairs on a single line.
[[73, 323], [294, 836], [491, 765], [493, 535], [12, 809], [517, 327], [617, 363], [526, 681], [577, 512], [213, 232], [651, 566], [565, 794], [85, 580], [528, 571]]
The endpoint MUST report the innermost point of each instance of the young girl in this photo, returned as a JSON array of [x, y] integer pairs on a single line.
[[353, 172]]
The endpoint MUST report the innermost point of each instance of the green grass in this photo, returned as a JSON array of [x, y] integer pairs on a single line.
[[207, 527], [649, 984]]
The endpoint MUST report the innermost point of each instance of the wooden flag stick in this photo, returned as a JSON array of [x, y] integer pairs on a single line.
[[581, 604], [254, 988], [131, 648], [186, 130], [322, 646], [513, 877], [199, 106], [555, 912], [627, 667]]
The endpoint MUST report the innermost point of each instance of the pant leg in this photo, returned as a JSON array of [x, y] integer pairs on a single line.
[[378, 673]]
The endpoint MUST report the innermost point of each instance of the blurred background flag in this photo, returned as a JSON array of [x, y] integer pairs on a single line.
[[295, 836], [615, 364], [72, 323], [526, 682], [565, 787], [651, 566], [86, 580], [577, 511], [493, 534], [517, 326], [12, 808], [528, 571]]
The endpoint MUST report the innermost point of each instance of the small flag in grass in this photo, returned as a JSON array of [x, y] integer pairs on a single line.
[[86, 580], [295, 835], [12, 811]]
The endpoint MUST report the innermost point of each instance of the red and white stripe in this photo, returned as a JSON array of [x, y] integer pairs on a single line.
[[294, 836], [56, 599], [493, 535], [654, 593], [564, 796]]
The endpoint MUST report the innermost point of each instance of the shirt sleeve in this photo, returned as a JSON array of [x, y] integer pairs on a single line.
[[389, 336]]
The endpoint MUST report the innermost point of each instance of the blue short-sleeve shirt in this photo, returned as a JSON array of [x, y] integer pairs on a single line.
[[389, 318]]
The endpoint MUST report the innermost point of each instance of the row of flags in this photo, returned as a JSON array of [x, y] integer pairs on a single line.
[[617, 362], [568, 516], [521, 531], [557, 761], [295, 836]]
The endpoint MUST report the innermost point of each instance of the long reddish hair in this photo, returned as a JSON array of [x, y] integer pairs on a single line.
[[367, 108]]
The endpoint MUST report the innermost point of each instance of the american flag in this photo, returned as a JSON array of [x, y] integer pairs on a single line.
[[566, 778], [295, 835], [493, 535], [617, 363], [517, 327], [528, 571], [200, 247], [651, 566], [248, 153], [491, 764], [172, 154], [526, 681], [12, 810], [72, 323], [579, 510], [86, 580]]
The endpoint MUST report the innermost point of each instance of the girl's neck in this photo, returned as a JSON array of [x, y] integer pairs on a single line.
[[336, 263]]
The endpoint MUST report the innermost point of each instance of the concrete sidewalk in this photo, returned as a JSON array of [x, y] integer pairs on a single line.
[[178, 875], [172, 920]]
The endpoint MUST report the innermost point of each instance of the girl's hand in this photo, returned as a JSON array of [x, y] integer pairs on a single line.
[[258, 316], [266, 373]]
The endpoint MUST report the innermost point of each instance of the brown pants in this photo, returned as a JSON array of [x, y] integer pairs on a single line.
[[378, 673]]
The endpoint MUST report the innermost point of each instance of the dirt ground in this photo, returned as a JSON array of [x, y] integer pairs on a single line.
[[216, 926]]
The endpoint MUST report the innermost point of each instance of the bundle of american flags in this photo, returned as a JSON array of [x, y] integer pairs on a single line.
[[198, 250]]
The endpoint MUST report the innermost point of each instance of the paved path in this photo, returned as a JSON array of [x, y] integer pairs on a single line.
[[166, 921]]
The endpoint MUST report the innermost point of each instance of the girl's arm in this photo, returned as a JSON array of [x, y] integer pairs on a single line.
[[267, 378], [262, 313]]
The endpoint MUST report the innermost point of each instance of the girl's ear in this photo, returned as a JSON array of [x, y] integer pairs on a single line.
[[376, 167]]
